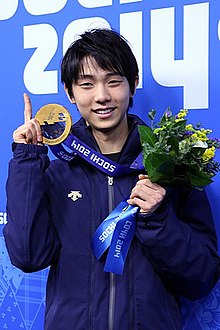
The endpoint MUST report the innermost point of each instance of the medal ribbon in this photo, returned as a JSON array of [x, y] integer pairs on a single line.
[[93, 157], [115, 232]]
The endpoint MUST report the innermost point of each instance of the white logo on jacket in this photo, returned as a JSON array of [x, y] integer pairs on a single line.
[[75, 195]]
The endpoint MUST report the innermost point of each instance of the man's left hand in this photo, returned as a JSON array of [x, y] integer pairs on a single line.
[[147, 195]]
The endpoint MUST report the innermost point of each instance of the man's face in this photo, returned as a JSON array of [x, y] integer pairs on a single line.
[[102, 97]]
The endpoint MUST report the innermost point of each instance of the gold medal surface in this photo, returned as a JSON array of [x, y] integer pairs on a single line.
[[55, 122]]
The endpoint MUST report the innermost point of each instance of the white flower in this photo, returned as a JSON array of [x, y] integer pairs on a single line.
[[200, 144]]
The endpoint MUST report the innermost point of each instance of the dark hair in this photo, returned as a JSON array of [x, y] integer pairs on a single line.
[[109, 49]]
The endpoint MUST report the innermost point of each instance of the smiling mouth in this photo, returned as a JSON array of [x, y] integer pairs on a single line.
[[104, 111]]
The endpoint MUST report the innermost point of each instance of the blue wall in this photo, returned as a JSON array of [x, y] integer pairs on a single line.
[[177, 44]]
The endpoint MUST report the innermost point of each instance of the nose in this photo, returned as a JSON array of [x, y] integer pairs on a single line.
[[102, 94]]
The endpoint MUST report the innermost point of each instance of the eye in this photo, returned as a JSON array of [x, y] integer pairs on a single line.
[[115, 82], [86, 84]]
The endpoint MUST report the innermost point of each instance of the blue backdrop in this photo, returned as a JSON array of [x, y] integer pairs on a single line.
[[177, 45]]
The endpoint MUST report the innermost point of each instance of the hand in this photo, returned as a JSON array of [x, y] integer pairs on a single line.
[[30, 132], [147, 195]]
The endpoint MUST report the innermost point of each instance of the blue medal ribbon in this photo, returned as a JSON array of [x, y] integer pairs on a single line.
[[93, 157], [116, 233]]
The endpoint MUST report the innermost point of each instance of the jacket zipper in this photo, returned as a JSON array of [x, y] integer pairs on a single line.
[[111, 311], [92, 267]]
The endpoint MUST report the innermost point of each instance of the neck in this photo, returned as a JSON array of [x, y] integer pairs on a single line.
[[112, 141]]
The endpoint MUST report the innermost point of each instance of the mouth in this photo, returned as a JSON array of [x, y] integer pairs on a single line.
[[104, 111]]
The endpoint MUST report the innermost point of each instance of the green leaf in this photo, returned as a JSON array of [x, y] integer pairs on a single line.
[[160, 167], [174, 145], [199, 180], [147, 135], [181, 124]]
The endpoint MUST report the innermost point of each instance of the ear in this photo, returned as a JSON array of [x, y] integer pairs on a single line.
[[135, 86], [71, 98]]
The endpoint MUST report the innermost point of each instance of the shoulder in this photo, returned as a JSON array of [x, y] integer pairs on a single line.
[[135, 120]]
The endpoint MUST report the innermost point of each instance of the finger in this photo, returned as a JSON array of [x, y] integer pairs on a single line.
[[27, 133], [35, 130], [147, 182], [145, 191], [145, 207], [144, 181], [142, 176], [27, 108], [38, 131], [24, 134], [19, 136]]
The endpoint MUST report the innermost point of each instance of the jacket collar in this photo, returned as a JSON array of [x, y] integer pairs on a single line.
[[131, 148]]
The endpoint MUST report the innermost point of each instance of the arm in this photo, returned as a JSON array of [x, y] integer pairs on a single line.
[[30, 237], [179, 239]]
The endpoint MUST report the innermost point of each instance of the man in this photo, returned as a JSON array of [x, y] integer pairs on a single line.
[[173, 251]]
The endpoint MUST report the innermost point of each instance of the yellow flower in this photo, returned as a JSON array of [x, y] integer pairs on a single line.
[[206, 131], [199, 135], [178, 120], [189, 127], [182, 114], [157, 130], [202, 136], [194, 137], [208, 154]]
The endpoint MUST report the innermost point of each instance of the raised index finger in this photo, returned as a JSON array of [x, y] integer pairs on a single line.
[[27, 108]]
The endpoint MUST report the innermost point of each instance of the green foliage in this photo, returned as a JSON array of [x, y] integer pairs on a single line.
[[177, 153]]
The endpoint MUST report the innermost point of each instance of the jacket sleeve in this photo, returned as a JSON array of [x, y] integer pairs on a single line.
[[30, 237], [180, 241]]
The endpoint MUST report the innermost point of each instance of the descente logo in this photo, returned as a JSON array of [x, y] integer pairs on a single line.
[[3, 218]]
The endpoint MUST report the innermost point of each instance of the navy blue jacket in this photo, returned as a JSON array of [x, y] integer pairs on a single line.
[[173, 252]]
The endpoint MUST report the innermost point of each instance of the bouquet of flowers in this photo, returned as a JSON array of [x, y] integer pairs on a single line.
[[177, 153]]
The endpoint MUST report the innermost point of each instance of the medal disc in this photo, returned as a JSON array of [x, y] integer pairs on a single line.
[[55, 122]]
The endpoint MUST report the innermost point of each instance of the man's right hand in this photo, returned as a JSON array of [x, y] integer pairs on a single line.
[[30, 132]]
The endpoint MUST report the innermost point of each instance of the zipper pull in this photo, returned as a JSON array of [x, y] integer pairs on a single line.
[[110, 180]]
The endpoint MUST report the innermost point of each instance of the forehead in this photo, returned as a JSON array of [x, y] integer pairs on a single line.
[[89, 66]]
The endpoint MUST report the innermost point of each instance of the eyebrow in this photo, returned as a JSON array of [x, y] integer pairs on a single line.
[[90, 76]]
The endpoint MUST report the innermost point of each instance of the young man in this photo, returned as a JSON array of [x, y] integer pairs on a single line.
[[173, 251]]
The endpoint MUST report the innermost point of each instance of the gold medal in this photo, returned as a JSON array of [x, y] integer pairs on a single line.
[[55, 122]]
